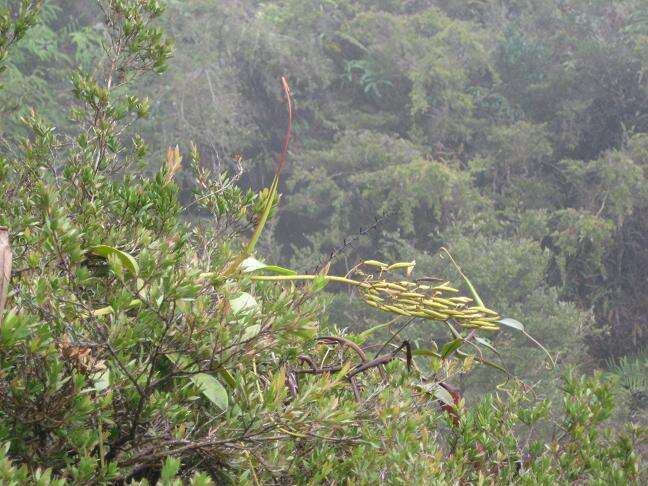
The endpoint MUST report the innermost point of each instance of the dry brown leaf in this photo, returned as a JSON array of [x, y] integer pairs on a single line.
[[173, 163]]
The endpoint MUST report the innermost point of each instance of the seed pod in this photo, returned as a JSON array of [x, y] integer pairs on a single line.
[[435, 315], [394, 286], [481, 323], [454, 313], [372, 304], [406, 283], [462, 300], [434, 303], [485, 310], [445, 301], [415, 295], [445, 288], [375, 263], [482, 328], [396, 266], [472, 312], [373, 298], [396, 310], [392, 293], [409, 301]]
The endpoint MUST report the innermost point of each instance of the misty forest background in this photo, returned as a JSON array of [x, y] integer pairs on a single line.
[[514, 133]]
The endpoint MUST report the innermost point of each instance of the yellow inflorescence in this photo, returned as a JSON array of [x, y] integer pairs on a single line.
[[411, 299]]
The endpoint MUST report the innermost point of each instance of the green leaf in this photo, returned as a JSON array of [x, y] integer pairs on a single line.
[[244, 304], [272, 193], [116, 265], [508, 322], [251, 264], [451, 347], [169, 470], [443, 395], [104, 311], [492, 364], [484, 361], [251, 331], [127, 260], [180, 360], [212, 389], [365, 334], [425, 352], [227, 377], [486, 343], [101, 380], [437, 391]]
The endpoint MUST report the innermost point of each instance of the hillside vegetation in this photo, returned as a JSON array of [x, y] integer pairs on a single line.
[[323, 242]]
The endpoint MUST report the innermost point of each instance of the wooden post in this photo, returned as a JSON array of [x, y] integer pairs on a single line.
[[5, 267]]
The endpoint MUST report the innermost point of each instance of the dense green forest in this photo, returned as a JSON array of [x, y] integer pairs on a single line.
[[323, 242]]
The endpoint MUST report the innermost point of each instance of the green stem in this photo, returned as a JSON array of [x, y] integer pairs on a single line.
[[328, 278], [249, 249], [472, 289], [272, 193]]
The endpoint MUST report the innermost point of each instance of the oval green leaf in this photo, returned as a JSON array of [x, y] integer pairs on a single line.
[[127, 260], [508, 322], [212, 389], [251, 331], [243, 304], [437, 391]]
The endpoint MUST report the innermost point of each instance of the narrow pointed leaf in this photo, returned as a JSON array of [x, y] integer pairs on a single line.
[[451, 347], [251, 264], [365, 334]]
